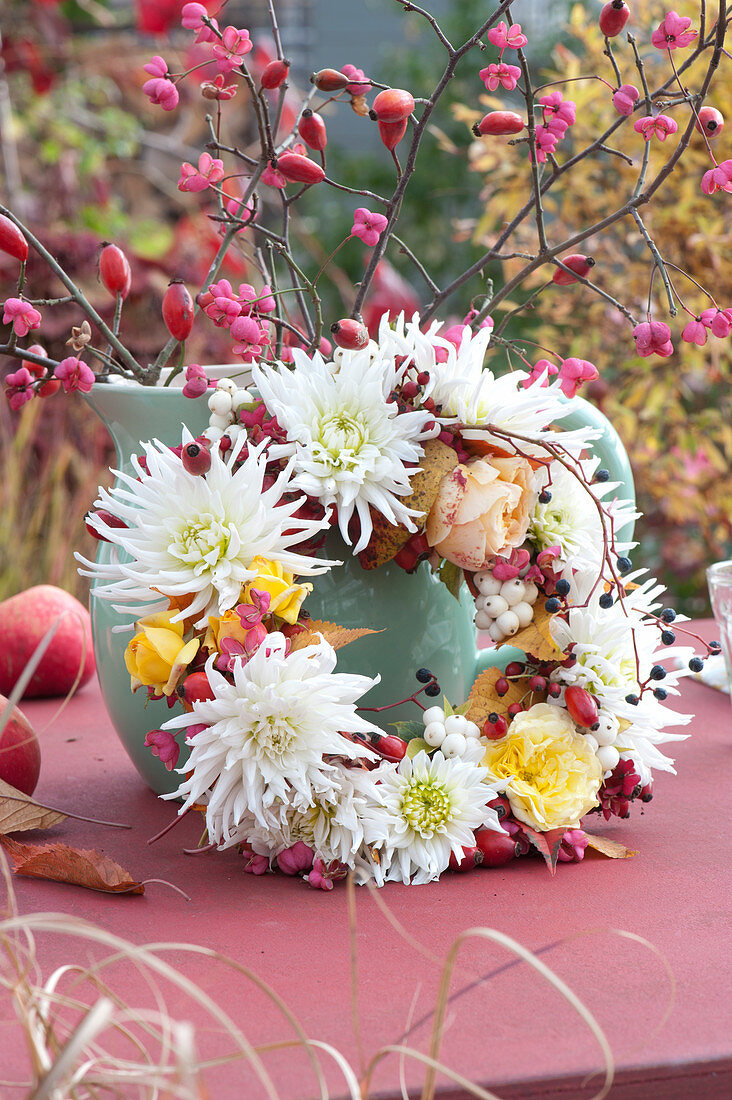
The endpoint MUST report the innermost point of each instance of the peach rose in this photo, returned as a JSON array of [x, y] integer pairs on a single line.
[[482, 510]]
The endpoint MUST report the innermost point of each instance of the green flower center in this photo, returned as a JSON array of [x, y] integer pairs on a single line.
[[202, 543], [342, 436], [427, 807]]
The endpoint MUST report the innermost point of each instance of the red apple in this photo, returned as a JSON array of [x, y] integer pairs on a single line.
[[24, 620], [20, 753]]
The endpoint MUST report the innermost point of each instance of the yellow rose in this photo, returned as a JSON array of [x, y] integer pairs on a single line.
[[553, 775], [286, 597], [228, 625], [157, 656], [482, 510]]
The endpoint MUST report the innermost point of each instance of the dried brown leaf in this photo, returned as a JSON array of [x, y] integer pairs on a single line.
[[60, 863], [19, 811], [611, 848], [338, 636], [484, 698], [359, 105], [536, 638], [387, 538]]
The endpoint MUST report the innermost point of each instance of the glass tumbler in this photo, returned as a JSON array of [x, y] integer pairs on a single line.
[[719, 579]]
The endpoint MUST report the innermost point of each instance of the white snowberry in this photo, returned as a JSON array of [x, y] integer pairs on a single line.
[[591, 742], [483, 621], [456, 723], [228, 385], [486, 583], [433, 714], [220, 402], [531, 592], [513, 591], [495, 633], [454, 744], [608, 756], [496, 605], [434, 734], [607, 729], [508, 622], [524, 612]]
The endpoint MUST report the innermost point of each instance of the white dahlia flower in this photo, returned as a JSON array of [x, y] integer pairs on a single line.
[[571, 519], [615, 650], [195, 536], [424, 809], [266, 738], [350, 445]]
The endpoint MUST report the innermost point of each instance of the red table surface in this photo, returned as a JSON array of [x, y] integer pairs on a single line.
[[506, 1028]]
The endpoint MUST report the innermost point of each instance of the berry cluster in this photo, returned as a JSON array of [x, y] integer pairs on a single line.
[[503, 607], [450, 734]]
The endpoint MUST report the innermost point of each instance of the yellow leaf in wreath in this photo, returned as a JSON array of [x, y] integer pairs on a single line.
[[337, 636], [536, 638], [484, 699], [387, 538]]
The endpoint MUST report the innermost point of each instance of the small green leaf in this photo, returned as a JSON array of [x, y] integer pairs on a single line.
[[408, 730], [451, 576], [417, 744], [446, 706], [462, 709]]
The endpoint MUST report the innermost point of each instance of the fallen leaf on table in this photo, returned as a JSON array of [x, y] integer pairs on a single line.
[[337, 636], [611, 848], [60, 863], [536, 638], [19, 812]]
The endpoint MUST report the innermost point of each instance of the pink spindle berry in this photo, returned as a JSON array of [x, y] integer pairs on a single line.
[[559, 113], [573, 373], [659, 126], [360, 84], [625, 99], [653, 338], [18, 388], [210, 171], [196, 381], [719, 321], [232, 49], [501, 74], [497, 123], [392, 105], [613, 18], [21, 315], [163, 744], [295, 860], [673, 32], [160, 89], [581, 265], [367, 226], [718, 178], [311, 129], [275, 74], [546, 141], [695, 332], [711, 122], [572, 848], [350, 334], [505, 37], [251, 338], [74, 375]]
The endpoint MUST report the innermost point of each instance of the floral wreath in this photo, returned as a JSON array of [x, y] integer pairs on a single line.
[[418, 454]]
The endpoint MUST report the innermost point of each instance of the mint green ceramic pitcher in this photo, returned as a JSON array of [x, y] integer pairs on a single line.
[[423, 624]]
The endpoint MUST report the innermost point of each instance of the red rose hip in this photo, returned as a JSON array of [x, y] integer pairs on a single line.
[[499, 123], [299, 169], [311, 129], [582, 706], [613, 18], [392, 105], [581, 265], [178, 311], [350, 334], [12, 241], [497, 848], [114, 270], [275, 74]]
